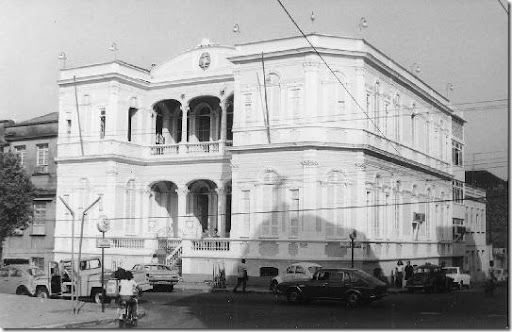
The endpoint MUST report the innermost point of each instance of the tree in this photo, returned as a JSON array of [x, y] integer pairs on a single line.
[[16, 195]]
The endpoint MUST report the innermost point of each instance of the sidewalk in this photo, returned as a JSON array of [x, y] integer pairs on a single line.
[[21, 312]]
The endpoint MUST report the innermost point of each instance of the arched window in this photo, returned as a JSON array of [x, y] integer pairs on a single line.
[[129, 208], [273, 83]]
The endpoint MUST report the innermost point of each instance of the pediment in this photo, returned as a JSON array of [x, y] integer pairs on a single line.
[[205, 60]]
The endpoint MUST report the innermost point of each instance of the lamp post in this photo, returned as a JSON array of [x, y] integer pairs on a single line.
[[103, 226], [352, 235]]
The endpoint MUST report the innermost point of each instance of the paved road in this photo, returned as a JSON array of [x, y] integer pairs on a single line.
[[458, 309]]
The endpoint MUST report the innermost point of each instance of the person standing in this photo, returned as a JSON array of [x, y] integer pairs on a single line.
[[242, 276], [399, 274], [409, 270]]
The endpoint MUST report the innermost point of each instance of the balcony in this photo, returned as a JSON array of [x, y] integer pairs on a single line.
[[134, 150]]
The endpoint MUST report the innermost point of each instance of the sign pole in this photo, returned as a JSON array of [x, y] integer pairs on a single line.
[[103, 275], [352, 235]]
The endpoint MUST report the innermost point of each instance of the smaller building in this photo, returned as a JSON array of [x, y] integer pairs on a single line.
[[477, 253], [35, 143]]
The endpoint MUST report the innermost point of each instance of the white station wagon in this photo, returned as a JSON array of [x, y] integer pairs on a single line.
[[295, 272]]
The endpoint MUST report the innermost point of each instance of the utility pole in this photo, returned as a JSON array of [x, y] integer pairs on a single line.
[[73, 271]]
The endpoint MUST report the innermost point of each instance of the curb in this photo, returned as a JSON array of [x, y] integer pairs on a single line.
[[80, 324]]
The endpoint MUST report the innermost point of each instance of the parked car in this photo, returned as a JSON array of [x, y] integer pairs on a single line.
[[350, 285], [295, 272], [20, 279], [159, 274], [460, 279], [430, 278]]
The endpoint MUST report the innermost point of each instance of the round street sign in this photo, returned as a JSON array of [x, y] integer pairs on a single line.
[[103, 224]]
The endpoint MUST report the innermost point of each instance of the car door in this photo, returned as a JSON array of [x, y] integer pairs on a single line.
[[5, 280], [318, 287], [339, 281], [17, 279], [301, 274]]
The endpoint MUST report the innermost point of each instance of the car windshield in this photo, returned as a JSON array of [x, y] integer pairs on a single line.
[[450, 270], [35, 271]]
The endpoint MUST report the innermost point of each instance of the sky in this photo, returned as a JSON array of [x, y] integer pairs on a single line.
[[459, 42]]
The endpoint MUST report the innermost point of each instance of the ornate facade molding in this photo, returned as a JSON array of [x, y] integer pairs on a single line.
[[360, 166], [309, 162]]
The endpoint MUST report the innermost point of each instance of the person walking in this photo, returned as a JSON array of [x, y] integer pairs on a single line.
[[242, 276]]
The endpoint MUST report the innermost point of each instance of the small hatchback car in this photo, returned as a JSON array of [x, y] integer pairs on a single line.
[[430, 278], [295, 272], [353, 286]]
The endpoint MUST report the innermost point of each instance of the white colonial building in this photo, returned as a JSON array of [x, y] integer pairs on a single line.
[[284, 155]]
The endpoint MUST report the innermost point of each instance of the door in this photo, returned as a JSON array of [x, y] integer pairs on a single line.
[[202, 210], [6, 281], [338, 284], [318, 287]]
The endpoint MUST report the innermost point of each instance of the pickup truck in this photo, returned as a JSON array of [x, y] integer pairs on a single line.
[[460, 279], [57, 281], [158, 274]]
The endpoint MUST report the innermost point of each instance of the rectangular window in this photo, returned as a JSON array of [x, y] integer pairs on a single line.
[[21, 151], [68, 126], [103, 121], [458, 230], [294, 213], [295, 100], [456, 153], [38, 224], [42, 158], [246, 205], [458, 192], [38, 261]]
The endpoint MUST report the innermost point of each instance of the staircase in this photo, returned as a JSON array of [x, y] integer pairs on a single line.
[[174, 258]]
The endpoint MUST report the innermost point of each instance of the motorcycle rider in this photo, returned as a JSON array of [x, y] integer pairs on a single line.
[[128, 293]]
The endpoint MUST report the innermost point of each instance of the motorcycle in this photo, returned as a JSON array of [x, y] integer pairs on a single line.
[[127, 318]]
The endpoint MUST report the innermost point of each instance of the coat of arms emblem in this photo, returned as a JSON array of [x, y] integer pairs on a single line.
[[204, 60]]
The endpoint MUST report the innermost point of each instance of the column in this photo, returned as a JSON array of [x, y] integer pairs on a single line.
[[221, 211], [183, 148], [223, 124], [182, 192]]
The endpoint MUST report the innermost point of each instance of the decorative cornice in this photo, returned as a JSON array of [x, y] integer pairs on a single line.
[[360, 166]]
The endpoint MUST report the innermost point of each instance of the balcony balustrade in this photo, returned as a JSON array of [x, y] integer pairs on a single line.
[[188, 148]]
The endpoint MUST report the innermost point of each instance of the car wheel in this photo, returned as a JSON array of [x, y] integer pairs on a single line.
[[21, 291], [353, 299], [42, 293], [96, 296], [294, 296], [273, 287], [170, 288]]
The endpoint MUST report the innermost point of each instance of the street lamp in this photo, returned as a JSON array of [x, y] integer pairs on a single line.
[[103, 226], [352, 235]]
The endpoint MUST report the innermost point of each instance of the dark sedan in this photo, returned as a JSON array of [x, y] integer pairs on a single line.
[[353, 286], [430, 278]]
